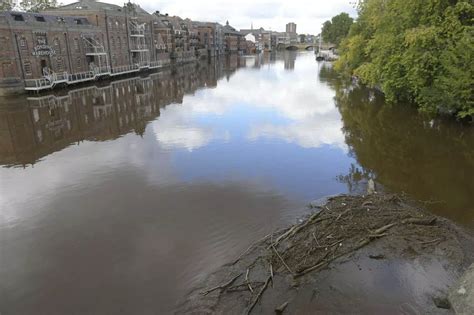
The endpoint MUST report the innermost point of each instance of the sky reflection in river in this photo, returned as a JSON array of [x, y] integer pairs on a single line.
[[141, 187], [120, 197], [227, 133]]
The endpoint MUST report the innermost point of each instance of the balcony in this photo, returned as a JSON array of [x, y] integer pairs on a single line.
[[95, 50], [139, 48], [137, 32]]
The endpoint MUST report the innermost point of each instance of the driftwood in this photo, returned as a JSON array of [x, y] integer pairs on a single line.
[[436, 240], [281, 308], [282, 260], [222, 286], [383, 229], [325, 236], [296, 228], [258, 295], [319, 264], [247, 280], [429, 221]]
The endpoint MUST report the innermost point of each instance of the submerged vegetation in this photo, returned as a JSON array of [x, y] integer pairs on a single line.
[[418, 51]]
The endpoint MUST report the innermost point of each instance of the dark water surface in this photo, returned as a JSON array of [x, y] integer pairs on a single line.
[[122, 196]]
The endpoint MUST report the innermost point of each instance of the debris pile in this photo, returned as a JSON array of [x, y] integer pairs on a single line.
[[344, 225]]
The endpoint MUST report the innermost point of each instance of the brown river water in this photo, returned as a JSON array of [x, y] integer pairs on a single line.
[[120, 197]]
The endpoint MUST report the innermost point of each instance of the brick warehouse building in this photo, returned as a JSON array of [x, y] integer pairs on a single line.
[[86, 40], [33, 44]]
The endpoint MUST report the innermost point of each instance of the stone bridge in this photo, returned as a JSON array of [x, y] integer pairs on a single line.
[[298, 46]]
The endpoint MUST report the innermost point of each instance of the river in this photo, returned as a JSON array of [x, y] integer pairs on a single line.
[[120, 197]]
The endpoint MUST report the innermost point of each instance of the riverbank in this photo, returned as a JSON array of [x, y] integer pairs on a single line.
[[354, 254]]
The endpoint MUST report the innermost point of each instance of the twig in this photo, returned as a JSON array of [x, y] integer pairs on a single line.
[[416, 221], [432, 241], [283, 236], [342, 213], [314, 236], [296, 228], [271, 273], [281, 308], [282, 260], [222, 286], [331, 245], [258, 295], [255, 244], [305, 271], [247, 280], [243, 286], [383, 228], [372, 236], [320, 263]]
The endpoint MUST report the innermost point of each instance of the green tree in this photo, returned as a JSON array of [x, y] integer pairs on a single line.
[[6, 5], [37, 5], [335, 30], [419, 51]]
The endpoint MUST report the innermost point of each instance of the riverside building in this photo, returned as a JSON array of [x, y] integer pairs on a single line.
[[88, 40]]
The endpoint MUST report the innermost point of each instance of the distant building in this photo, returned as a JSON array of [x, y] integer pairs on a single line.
[[291, 33], [262, 38], [291, 27], [234, 40], [282, 38]]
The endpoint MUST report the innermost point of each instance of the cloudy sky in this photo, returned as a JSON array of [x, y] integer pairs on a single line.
[[270, 14]]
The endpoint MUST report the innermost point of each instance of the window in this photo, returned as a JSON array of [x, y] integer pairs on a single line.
[[23, 43], [78, 21], [76, 44], [40, 19], [7, 69], [18, 17], [59, 64], [78, 63], [27, 67]]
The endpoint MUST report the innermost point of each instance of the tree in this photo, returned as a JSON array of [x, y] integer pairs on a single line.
[[335, 30], [419, 51], [6, 5], [37, 5]]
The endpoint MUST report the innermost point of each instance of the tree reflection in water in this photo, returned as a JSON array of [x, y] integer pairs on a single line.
[[429, 159]]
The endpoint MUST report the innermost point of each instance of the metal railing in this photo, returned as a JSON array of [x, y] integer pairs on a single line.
[[81, 77], [137, 32], [95, 50], [159, 63], [139, 47], [52, 79], [125, 69]]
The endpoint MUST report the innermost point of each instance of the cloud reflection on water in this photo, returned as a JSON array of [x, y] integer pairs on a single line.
[[290, 106]]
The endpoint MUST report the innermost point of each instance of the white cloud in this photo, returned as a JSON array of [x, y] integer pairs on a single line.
[[312, 132], [306, 106], [175, 128], [270, 14]]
